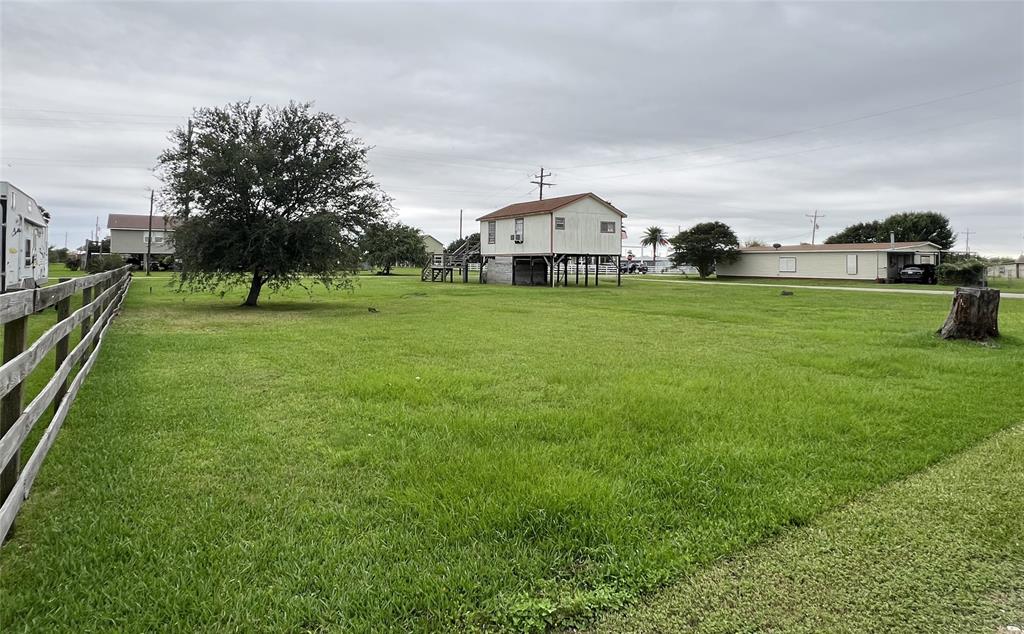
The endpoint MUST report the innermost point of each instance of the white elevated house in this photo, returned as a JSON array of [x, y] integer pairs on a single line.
[[130, 236], [25, 240], [542, 241], [879, 261]]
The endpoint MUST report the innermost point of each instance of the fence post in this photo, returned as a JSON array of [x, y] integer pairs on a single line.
[[87, 322], [63, 312], [15, 341]]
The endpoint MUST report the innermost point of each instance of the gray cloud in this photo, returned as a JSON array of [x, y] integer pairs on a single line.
[[462, 102]]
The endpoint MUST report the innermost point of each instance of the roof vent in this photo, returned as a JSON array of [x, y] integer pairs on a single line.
[[776, 246]]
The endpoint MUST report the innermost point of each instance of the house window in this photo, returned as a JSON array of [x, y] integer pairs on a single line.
[[518, 235], [492, 230], [145, 239], [158, 239], [851, 264], [607, 227], [28, 252], [787, 264], [560, 223]]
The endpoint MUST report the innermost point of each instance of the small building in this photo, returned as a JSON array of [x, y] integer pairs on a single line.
[[25, 240], [432, 244], [544, 242], [1013, 271], [130, 236], [880, 261]]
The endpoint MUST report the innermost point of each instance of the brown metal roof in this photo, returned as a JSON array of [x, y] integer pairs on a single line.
[[546, 206], [860, 246], [138, 222]]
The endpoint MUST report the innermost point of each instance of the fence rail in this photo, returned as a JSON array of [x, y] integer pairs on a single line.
[[102, 295]]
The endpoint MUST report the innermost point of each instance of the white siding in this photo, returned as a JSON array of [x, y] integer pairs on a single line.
[[25, 222], [536, 236], [582, 233], [829, 265], [834, 265]]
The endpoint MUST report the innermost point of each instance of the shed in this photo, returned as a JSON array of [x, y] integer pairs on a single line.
[[868, 261], [544, 242]]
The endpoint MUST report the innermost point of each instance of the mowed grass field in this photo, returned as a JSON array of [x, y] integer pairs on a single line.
[[474, 456]]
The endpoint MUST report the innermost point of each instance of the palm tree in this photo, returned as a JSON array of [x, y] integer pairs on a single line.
[[652, 238]]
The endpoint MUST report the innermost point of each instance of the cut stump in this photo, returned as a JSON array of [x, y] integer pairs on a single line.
[[974, 315]]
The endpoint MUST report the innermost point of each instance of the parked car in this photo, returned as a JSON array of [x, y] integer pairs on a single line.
[[918, 274], [633, 267]]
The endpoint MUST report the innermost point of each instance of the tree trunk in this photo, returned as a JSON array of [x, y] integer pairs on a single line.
[[974, 315], [254, 290]]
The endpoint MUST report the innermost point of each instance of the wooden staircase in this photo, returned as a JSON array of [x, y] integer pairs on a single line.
[[443, 265]]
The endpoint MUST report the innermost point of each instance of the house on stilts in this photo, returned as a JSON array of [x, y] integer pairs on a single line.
[[551, 242]]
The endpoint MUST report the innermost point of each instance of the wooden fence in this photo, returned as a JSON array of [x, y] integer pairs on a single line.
[[102, 295]]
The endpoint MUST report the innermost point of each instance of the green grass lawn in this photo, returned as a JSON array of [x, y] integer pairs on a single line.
[[938, 552], [473, 456]]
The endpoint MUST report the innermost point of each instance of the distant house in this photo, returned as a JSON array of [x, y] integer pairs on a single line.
[[871, 261], [130, 235], [1013, 271], [542, 241], [432, 244], [25, 240]]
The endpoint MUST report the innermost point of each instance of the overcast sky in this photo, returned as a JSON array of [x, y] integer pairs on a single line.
[[750, 113]]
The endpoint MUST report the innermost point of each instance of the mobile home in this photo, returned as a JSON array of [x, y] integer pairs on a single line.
[[880, 261], [24, 240]]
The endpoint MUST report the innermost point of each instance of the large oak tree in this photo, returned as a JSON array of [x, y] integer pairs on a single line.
[[267, 197], [704, 245]]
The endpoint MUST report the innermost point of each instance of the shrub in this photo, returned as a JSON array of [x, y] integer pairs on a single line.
[[962, 273], [104, 262]]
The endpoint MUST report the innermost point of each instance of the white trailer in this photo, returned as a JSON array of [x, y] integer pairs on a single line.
[[24, 240]]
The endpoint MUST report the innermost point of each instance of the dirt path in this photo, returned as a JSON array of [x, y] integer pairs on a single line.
[[940, 551], [859, 289]]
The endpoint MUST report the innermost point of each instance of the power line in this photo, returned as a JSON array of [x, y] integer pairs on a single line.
[[805, 151], [801, 130]]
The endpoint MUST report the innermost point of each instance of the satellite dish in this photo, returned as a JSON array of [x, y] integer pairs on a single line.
[[776, 246]]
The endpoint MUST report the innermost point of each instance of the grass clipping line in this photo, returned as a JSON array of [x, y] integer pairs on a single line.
[[941, 551]]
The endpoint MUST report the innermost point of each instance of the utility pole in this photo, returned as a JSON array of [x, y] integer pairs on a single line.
[[814, 221], [967, 239], [540, 183], [188, 168], [149, 237], [460, 224]]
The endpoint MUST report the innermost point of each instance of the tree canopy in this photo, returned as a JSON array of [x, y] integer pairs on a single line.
[[654, 237], [388, 244], [266, 197], [911, 226], [703, 245], [458, 242]]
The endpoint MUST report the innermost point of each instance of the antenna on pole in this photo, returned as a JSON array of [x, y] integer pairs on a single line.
[[814, 226], [540, 182]]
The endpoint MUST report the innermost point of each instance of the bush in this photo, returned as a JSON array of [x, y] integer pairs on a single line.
[[73, 262], [104, 262], [962, 273]]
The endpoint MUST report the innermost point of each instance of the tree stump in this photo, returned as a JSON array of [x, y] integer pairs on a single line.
[[974, 315]]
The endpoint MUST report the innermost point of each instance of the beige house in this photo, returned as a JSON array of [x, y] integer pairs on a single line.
[[1014, 271], [543, 242], [432, 244], [871, 261], [130, 235]]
